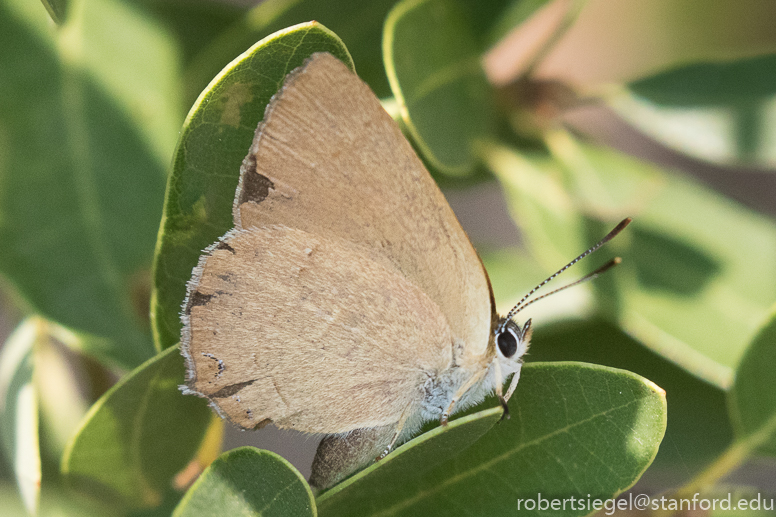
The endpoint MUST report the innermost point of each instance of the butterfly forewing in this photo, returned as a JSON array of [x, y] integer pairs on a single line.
[[329, 160]]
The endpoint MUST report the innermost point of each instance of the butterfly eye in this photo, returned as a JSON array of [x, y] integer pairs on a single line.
[[507, 342]]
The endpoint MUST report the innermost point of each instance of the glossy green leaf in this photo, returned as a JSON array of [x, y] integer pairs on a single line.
[[214, 140], [138, 435], [753, 397], [19, 411], [433, 66], [248, 482], [358, 24], [699, 428], [57, 9], [408, 461], [685, 288], [575, 429], [82, 174]]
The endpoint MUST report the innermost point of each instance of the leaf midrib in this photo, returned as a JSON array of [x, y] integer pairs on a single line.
[[393, 510]]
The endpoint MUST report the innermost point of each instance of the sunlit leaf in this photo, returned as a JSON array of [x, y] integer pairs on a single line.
[[138, 435], [19, 410], [444, 99], [214, 140], [248, 482], [576, 429]]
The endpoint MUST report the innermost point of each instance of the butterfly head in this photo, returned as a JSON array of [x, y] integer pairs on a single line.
[[512, 342]]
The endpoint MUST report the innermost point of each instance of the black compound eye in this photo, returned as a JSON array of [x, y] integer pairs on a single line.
[[507, 342]]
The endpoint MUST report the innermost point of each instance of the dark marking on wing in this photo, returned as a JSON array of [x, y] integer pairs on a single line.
[[255, 187], [196, 298], [224, 246], [228, 391]]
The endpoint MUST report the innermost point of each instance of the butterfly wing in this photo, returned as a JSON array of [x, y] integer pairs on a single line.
[[330, 161], [308, 332]]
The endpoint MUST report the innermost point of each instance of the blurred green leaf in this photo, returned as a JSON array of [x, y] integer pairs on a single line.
[[19, 410], [730, 502], [723, 112], [55, 502], [740, 133], [195, 24], [711, 83], [699, 428], [753, 397], [539, 204], [703, 277], [685, 289], [248, 482], [138, 435], [576, 429], [513, 16], [409, 461], [57, 9], [358, 24], [512, 272], [214, 140], [433, 66], [61, 376], [86, 127]]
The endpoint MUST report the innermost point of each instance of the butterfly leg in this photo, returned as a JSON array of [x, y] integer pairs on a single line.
[[499, 392], [513, 384], [399, 427], [474, 379]]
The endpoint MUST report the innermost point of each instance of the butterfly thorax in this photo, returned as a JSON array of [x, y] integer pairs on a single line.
[[439, 390]]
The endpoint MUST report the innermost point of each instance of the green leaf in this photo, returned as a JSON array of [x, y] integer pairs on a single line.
[[699, 428], [513, 16], [723, 112], [57, 9], [692, 294], [248, 482], [753, 397], [19, 411], [55, 502], [740, 133], [539, 204], [685, 288], [358, 24], [214, 140], [411, 459], [433, 66], [82, 173], [711, 83], [738, 500], [512, 273], [138, 435], [576, 429]]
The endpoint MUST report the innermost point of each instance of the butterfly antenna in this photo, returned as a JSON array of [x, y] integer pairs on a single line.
[[609, 236]]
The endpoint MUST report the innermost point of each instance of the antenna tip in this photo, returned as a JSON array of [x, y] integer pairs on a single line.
[[616, 260]]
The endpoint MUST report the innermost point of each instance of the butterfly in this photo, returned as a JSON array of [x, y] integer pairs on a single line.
[[347, 300]]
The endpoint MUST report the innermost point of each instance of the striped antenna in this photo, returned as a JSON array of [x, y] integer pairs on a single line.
[[609, 236]]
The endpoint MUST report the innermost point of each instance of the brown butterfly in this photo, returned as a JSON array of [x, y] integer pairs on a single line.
[[347, 300]]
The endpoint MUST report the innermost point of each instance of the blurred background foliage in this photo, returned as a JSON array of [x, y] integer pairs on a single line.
[[545, 122]]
